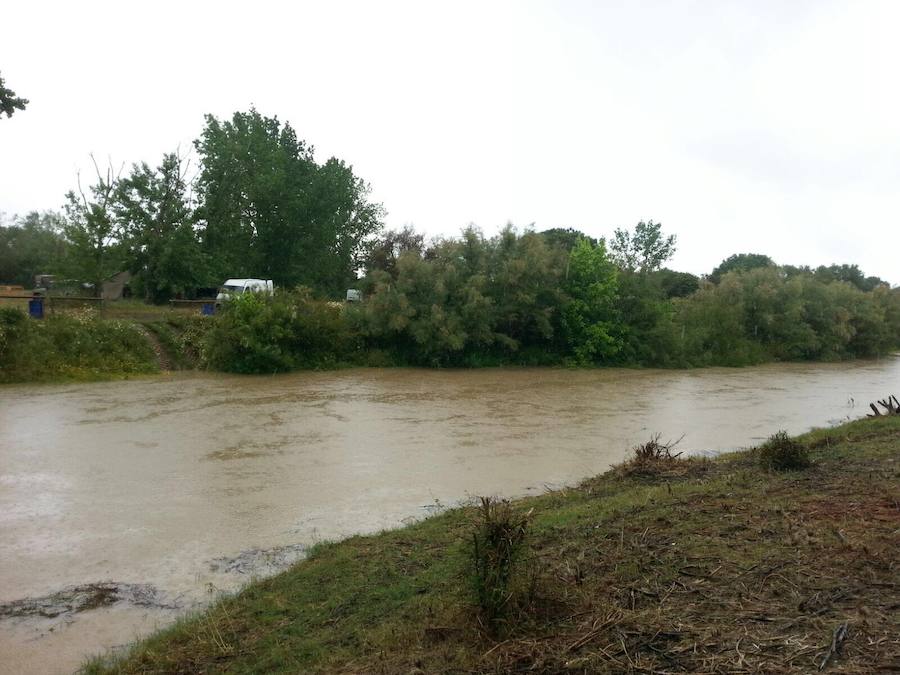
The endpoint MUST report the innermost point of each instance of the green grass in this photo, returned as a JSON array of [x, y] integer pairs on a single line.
[[706, 566], [72, 346], [138, 310], [86, 344]]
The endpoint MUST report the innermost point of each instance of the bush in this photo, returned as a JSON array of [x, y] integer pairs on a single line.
[[259, 334], [12, 323], [498, 542], [655, 458], [782, 453], [654, 451]]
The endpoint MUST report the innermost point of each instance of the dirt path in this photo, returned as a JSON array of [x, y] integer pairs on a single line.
[[163, 360]]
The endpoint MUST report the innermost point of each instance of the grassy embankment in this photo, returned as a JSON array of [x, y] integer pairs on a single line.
[[124, 339], [670, 566], [71, 346]]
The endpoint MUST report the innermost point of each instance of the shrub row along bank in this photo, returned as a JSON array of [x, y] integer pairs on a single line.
[[718, 566], [515, 300], [528, 298], [74, 346]]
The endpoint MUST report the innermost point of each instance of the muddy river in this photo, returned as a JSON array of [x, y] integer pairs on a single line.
[[125, 504]]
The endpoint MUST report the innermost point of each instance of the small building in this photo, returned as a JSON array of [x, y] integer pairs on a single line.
[[116, 287]]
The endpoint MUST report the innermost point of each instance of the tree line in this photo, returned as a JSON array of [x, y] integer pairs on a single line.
[[559, 297], [257, 203]]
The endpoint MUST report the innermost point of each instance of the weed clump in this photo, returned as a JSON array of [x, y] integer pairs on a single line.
[[654, 451], [498, 544], [783, 453], [653, 458]]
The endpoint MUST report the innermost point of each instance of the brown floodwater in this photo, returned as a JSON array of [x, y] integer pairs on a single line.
[[125, 504]]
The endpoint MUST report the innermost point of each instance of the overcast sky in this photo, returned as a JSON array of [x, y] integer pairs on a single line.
[[752, 126]]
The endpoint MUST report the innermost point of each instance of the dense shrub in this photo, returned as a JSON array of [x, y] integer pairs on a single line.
[[258, 334], [764, 315], [783, 453], [520, 298]]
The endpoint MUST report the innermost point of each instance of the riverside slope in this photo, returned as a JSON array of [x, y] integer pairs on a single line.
[[713, 566]]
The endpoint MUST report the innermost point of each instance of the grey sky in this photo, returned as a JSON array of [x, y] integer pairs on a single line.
[[769, 127]]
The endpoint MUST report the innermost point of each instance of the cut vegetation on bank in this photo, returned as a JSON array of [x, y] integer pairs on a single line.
[[690, 565]]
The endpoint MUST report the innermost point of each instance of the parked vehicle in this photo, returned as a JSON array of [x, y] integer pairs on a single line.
[[233, 287]]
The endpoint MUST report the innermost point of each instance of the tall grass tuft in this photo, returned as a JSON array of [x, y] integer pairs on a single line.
[[655, 459], [655, 451], [783, 453], [498, 545]]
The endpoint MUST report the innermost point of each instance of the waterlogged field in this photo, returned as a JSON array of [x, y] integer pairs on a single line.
[[125, 504]]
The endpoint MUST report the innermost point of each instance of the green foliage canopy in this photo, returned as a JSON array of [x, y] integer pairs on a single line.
[[740, 262], [92, 231], [9, 102], [31, 245], [268, 209], [643, 250], [588, 316], [155, 222]]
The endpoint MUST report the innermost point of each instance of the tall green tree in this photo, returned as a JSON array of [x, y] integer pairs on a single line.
[[92, 231], [711, 326], [9, 102], [155, 216], [644, 315], [644, 312], [346, 222], [432, 313], [268, 209], [643, 250], [677, 284], [389, 246], [589, 316], [848, 273], [31, 245], [740, 262], [525, 274], [565, 238]]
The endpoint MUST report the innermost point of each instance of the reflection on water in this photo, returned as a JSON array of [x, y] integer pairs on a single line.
[[152, 481]]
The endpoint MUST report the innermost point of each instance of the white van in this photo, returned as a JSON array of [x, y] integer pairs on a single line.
[[233, 287]]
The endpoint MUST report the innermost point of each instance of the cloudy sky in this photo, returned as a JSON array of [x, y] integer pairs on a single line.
[[748, 126]]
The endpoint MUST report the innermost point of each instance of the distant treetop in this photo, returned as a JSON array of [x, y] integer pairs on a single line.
[[565, 238], [643, 250], [740, 262], [9, 102]]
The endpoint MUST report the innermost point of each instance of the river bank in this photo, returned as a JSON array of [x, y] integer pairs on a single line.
[[189, 484], [712, 565], [78, 346], [293, 332]]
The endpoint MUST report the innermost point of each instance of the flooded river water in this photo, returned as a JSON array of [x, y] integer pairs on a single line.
[[125, 504]]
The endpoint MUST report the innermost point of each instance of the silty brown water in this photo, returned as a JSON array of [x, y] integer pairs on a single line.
[[174, 488]]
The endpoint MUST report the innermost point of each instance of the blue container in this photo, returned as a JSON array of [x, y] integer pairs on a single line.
[[208, 309], [36, 308]]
